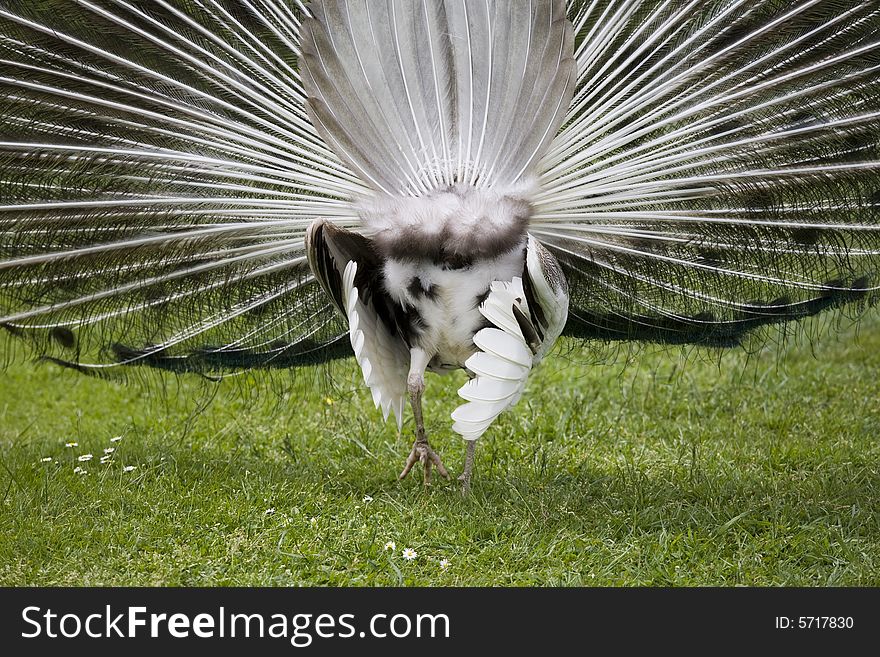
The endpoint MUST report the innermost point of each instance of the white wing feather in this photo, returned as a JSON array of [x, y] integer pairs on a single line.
[[551, 295], [383, 360], [504, 359], [501, 366]]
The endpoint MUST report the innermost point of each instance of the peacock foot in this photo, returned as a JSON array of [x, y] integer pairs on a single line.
[[422, 452]]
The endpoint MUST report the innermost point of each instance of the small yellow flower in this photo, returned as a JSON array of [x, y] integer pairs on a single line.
[[328, 401]]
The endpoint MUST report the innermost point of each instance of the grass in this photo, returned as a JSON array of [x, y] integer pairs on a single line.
[[740, 470]]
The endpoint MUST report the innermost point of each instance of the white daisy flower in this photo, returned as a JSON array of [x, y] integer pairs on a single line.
[[270, 511], [444, 563], [84, 457], [115, 439], [80, 471], [46, 459], [409, 554], [109, 450], [391, 545], [106, 458], [71, 444], [313, 521], [367, 499], [129, 468]]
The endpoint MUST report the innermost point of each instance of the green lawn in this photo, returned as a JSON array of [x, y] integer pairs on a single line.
[[761, 470]]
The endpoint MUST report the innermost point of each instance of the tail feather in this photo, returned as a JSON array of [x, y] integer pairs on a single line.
[[419, 96], [716, 153], [157, 175], [706, 329]]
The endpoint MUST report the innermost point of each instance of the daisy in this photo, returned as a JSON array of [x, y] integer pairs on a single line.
[[444, 564], [367, 499], [109, 450], [46, 459], [409, 554], [84, 457], [80, 471], [391, 545], [116, 439], [106, 458], [270, 511], [313, 521], [129, 468], [71, 444]]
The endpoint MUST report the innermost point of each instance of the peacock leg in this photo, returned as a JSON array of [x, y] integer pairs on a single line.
[[421, 451], [465, 477]]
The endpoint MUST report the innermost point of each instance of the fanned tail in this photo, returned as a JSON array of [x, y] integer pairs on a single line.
[[716, 170]]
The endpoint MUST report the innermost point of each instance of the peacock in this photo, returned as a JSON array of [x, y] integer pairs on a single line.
[[215, 186]]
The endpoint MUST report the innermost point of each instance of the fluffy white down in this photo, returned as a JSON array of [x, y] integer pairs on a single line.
[[461, 214], [451, 315]]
